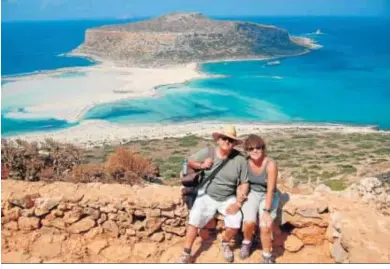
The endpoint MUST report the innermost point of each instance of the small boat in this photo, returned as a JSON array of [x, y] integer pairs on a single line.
[[273, 63]]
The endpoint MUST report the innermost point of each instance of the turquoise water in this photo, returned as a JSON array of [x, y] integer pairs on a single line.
[[346, 81]]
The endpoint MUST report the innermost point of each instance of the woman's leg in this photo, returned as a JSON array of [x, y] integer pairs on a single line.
[[249, 210]]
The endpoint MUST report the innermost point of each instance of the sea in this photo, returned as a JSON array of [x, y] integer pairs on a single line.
[[346, 81]]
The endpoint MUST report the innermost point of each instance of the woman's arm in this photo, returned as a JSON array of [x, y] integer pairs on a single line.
[[272, 175]]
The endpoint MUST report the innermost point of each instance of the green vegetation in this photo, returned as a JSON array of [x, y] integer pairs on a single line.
[[189, 141], [336, 185]]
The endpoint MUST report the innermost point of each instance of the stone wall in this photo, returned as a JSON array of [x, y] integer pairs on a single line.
[[65, 222]]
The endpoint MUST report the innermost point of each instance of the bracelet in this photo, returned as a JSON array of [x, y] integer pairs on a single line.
[[267, 210]]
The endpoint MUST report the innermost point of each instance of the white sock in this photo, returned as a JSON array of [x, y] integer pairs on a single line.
[[246, 242], [267, 254]]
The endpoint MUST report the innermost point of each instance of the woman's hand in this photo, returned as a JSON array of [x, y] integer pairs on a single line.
[[266, 220], [233, 208]]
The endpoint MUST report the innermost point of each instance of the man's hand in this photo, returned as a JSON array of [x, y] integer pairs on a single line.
[[208, 163], [266, 220], [233, 208]]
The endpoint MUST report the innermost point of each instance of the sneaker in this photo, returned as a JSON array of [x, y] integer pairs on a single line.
[[185, 258], [227, 252], [245, 250], [268, 259]]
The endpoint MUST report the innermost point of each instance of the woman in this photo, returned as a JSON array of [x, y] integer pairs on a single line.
[[263, 198]]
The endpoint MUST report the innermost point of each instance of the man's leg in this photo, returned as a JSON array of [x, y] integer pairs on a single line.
[[201, 213], [232, 224]]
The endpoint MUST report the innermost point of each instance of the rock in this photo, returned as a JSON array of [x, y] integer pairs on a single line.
[[72, 216], [111, 228], [26, 201], [144, 250], [168, 236], [338, 252], [95, 247], [139, 213], [93, 213], [180, 231], [173, 222], [58, 223], [109, 209], [74, 198], [153, 213], [299, 221], [157, 237], [336, 220], [379, 190], [103, 218], [13, 214], [112, 216], [12, 226], [27, 212], [312, 235], [293, 244], [57, 213], [28, 224], [370, 183], [139, 225], [322, 188], [125, 220], [94, 232], [130, 232], [62, 206], [322, 209], [152, 225], [308, 212], [181, 212], [168, 214], [83, 225], [117, 253], [41, 211], [47, 204]]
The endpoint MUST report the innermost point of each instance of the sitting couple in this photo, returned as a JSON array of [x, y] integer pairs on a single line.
[[243, 189]]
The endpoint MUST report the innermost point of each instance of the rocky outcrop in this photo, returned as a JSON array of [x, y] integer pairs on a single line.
[[65, 222], [183, 38]]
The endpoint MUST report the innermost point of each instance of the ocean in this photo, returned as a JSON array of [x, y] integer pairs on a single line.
[[347, 81]]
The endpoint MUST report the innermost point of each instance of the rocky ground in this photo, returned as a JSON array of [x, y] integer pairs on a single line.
[[94, 223]]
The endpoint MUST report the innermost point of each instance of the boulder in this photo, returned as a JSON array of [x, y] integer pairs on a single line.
[[96, 246], [293, 244], [111, 228], [312, 235], [338, 252], [81, 226], [74, 215]]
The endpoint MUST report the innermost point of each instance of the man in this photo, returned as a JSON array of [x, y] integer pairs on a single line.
[[219, 193]]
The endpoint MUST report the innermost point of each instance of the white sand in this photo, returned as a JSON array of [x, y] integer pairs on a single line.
[[46, 95], [97, 132]]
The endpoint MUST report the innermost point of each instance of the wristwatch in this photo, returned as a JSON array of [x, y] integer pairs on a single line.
[[267, 210]]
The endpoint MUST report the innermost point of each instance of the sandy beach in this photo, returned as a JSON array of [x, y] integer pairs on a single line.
[[97, 132], [66, 94]]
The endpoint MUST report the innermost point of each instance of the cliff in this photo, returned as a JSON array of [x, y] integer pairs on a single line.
[[184, 38]]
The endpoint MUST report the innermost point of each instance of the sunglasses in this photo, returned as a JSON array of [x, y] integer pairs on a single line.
[[262, 147], [225, 138]]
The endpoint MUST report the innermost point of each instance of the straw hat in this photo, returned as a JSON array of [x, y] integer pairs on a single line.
[[228, 131]]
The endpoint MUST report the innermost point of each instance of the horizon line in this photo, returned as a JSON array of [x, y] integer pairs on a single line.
[[211, 16]]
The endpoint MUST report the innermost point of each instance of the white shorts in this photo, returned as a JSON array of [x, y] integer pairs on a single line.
[[255, 204], [204, 210]]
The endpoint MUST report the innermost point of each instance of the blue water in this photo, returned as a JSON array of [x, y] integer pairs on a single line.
[[346, 81]]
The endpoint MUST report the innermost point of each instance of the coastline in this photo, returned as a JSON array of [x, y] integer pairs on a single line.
[[98, 132]]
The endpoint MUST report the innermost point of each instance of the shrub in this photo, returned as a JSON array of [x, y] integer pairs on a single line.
[[29, 161]]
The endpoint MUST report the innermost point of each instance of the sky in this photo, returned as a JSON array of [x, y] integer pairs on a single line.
[[91, 9]]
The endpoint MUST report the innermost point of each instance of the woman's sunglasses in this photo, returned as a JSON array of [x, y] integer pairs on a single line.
[[262, 147], [225, 138]]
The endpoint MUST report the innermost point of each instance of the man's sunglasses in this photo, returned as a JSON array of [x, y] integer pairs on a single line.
[[225, 138], [262, 147]]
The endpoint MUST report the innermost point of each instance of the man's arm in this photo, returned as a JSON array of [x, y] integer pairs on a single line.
[[199, 160]]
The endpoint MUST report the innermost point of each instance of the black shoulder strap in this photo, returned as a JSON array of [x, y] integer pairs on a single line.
[[215, 172]]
